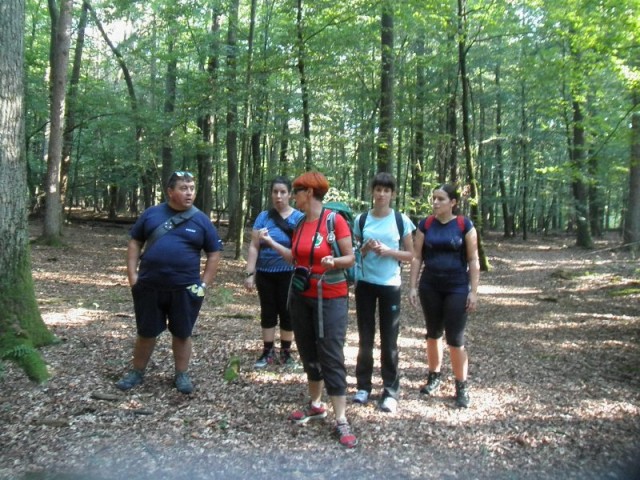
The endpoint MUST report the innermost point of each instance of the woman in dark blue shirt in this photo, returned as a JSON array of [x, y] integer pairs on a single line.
[[271, 274], [447, 245]]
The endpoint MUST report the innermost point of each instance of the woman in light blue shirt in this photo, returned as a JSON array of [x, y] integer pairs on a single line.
[[386, 241]]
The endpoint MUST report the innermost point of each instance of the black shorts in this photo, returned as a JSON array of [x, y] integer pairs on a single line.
[[156, 309]]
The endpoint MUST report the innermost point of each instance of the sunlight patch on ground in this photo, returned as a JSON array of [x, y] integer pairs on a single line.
[[93, 279], [606, 409], [76, 316], [507, 289]]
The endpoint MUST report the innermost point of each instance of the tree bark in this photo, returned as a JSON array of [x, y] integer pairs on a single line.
[[417, 167], [21, 326], [169, 109], [502, 185], [466, 135], [146, 177], [631, 233], [52, 226], [234, 197], [208, 122], [385, 134], [579, 185], [70, 110], [306, 114]]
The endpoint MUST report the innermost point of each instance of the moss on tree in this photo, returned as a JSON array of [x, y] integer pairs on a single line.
[[22, 329]]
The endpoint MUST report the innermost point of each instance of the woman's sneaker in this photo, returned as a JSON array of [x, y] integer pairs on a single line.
[[433, 383], [462, 394], [286, 359], [345, 435], [389, 405], [268, 357], [309, 413], [361, 396]]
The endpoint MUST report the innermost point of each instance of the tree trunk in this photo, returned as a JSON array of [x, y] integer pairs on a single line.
[[207, 122], [504, 195], [418, 166], [306, 114], [466, 136], [579, 184], [631, 233], [21, 325], [146, 177], [52, 227], [70, 110], [385, 133], [169, 109], [524, 155], [234, 197]]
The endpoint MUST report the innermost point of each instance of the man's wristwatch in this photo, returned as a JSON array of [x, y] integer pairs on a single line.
[[248, 274]]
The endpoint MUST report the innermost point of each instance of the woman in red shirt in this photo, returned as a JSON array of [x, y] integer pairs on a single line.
[[319, 302]]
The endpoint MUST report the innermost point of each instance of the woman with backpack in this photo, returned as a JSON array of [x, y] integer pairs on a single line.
[[319, 302], [447, 245], [385, 236], [270, 274]]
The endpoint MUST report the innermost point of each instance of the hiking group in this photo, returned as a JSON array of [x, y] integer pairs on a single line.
[[301, 261]]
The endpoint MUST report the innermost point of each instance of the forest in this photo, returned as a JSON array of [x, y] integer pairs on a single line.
[[530, 106]]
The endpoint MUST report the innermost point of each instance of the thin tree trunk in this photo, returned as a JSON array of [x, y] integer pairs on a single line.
[[233, 194], [207, 122], [631, 233], [504, 196], [52, 226], [385, 133], [471, 174], [306, 114], [146, 178], [417, 168], [21, 326], [524, 155], [70, 110], [579, 186], [169, 109]]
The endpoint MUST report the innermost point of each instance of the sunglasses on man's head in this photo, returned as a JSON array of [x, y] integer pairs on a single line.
[[182, 174], [298, 189]]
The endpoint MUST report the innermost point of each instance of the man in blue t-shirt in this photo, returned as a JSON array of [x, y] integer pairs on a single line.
[[165, 281]]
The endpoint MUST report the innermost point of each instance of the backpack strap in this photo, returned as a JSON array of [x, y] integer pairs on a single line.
[[331, 233], [171, 223], [428, 221], [400, 225], [460, 220], [280, 222], [361, 221]]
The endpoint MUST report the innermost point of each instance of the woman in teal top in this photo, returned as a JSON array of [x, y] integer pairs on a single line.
[[386, 240]]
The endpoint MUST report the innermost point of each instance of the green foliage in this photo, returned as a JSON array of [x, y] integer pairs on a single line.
[[219, 296], [232, 370], [625, 292], [549, 55]]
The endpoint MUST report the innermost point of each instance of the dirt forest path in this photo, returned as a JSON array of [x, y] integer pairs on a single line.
[[554, 381]]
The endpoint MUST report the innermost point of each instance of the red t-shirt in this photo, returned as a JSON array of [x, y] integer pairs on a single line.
[[301, 249]]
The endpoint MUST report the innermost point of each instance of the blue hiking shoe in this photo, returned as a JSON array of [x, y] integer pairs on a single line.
[[183, 382], [132, 379]]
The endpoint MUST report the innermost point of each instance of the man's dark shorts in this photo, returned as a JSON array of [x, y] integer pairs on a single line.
[[154, 307]]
